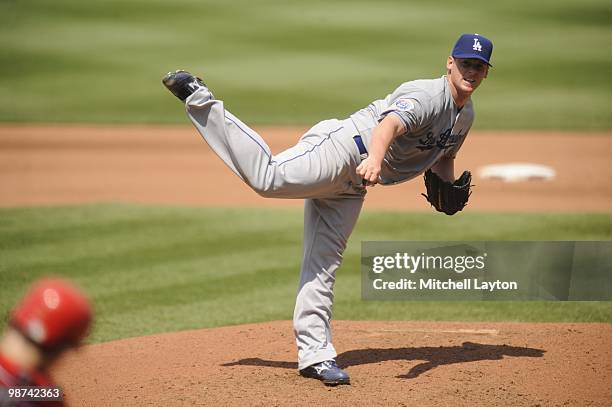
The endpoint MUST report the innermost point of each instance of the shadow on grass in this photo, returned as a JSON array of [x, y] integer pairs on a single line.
[[432, 356]]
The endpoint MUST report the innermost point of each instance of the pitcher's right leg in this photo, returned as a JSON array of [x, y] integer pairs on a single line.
[[314, 167]]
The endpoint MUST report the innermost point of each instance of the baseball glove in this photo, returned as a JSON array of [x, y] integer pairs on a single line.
[[447, 197]]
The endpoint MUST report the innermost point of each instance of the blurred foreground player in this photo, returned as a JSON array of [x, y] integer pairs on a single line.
[[53, 317]]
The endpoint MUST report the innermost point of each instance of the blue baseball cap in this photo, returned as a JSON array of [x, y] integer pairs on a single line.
[[473, 46]]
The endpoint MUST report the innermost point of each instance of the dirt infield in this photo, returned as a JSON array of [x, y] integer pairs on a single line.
[[42, 165], [390, 363]]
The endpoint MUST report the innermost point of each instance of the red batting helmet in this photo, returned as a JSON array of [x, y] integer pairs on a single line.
[[53, 314]]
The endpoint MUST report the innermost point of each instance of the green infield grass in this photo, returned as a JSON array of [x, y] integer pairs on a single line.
[[295, 62], [155, 269]]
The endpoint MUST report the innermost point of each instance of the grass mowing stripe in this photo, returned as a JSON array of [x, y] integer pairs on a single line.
[[205, 313], [140, 252], [306, 61], [156, 269], [182, 271], [211, 289]]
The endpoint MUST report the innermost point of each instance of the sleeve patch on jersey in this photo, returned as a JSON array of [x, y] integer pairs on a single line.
[[403, 104]]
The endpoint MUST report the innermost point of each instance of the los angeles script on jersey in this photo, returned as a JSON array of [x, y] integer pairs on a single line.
[[444, 141]]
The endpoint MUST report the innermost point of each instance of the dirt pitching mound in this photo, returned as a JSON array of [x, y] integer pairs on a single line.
[[390, 363]]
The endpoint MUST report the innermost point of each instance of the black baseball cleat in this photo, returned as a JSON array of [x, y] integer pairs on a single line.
[[182, 84], [328, 372]]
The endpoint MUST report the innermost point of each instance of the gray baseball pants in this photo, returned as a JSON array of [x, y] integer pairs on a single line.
[[320, 168]]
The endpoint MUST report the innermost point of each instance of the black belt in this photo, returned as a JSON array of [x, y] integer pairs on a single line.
[[363, 151]]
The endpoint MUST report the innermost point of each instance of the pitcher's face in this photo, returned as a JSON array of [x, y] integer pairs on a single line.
[[466, 74]]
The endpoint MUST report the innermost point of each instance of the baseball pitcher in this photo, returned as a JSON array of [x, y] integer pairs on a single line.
[[417, 129]]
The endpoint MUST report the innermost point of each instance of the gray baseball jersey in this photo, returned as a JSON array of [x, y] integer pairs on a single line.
[[434, 127], [321, 168]]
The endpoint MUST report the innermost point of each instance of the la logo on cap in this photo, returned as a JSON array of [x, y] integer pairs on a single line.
[[473, 46]]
